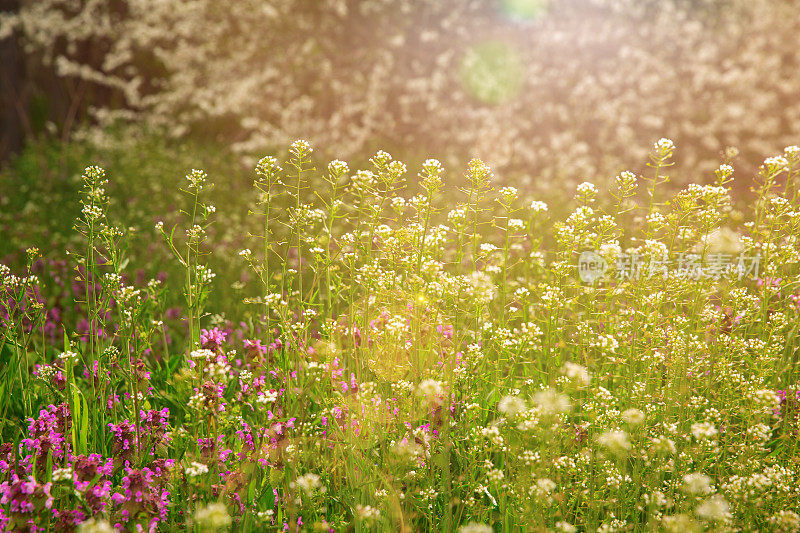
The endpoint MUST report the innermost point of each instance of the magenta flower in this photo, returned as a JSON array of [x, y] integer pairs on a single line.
[[25, 499], [212, 339], [142, 500]]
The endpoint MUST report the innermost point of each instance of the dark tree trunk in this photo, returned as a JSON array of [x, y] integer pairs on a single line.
[[14, 121]]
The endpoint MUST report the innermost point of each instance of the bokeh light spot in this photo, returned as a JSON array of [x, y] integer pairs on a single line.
[[492, 72]]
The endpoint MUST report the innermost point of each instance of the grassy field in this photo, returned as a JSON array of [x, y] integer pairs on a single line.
[[314, 347]]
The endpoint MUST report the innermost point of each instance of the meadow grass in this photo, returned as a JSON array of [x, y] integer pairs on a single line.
[[413, 356]]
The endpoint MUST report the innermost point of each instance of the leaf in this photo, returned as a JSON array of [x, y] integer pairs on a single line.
[[493, 397], [172, 364], [84, 425], [6, 353], [76, 416], [251, 489], [3, 399]]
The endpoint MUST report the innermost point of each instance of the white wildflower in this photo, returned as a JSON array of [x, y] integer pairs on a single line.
[[704, 430], [308, 483], [196, 469], [95, 525], [551, 401], [576, 373], [696, 483], [475, 527], [715, 508], [633, 416], [617, 442], [212, 517], [511, 406]]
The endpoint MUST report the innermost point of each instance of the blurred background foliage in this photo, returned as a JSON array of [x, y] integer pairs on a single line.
[[549, 93]]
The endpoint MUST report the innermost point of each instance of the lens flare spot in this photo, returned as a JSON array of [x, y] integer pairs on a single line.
[[525, 9], [492, 72]]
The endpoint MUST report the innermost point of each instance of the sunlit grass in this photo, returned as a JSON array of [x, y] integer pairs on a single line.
[[412, 356]]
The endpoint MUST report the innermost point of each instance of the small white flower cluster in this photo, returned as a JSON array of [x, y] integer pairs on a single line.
[[458, 217], [407, 449], [397, 326], [202, 354], [46, 372], [431, 176], [587, 190], [704, 431], [300, 148], [656, 220], [398, 204], [196, 469], [364, 180], [495, 475], [367, 513], [538, 207], [337, 167], [266, 397], [792, 151], [664, 146], [204, 275], [267, 166], [266, 515], [724, 170], [606, 342], [92, 213], [68, 356], [765, 401], [7, 279], [218, 369], [197, 179], [62, 474], [195, 233], [626, 180], [508, 194], [197, 402], [402, 386], [543, 489], [516, 224], [775, 163], [487, 248], [492, 433], [785, 521]]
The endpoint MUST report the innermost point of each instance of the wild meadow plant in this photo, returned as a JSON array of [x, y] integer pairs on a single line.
[[421, 358]]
